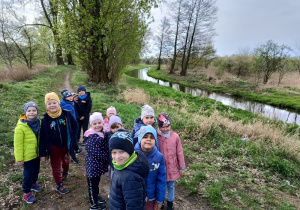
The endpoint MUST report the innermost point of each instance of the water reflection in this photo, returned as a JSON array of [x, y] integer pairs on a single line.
[[257, 108]]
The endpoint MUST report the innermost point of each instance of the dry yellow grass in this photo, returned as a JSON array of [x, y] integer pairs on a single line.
[[135, 96]]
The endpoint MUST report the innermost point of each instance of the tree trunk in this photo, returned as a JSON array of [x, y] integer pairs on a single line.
[[70, 59]]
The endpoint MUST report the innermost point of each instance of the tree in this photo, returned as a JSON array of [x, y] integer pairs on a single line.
[[269, 57], [105, 34], [162, 38]]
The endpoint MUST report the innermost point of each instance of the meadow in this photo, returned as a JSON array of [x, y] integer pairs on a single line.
[[235, 159]]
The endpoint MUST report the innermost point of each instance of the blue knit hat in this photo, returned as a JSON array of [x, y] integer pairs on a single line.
[[81, 87], [30, 104], [66, 94], [121, 140], [147, 129]]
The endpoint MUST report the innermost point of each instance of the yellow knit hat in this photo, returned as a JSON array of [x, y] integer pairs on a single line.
[[50, 96]]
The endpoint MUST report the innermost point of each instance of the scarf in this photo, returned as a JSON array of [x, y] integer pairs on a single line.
[[91, 131], [33, 125], [82, 97], [166, 135], [130, 160], [56, 114]]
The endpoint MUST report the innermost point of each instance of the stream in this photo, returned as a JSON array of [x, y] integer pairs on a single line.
[[226, 99]]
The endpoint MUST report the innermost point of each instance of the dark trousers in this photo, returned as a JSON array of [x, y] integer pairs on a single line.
[[30, 174], [93, 184], [59, 158], [84, 125]]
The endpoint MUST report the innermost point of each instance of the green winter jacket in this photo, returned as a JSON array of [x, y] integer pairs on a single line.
[[25, 142]]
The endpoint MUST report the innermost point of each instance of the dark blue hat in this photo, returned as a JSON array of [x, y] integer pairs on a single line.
[[66, 94], [121, 140], [81, 87]]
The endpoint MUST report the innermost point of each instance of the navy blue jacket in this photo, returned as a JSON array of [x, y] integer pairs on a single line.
[[84, 106], [128, 189], [45, 140], [156, 181]]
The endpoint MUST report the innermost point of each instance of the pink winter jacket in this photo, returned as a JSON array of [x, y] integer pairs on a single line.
[[171, 148]]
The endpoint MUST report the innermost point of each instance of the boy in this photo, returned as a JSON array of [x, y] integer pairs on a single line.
[[84, 107], [57, 139], [67, 103], [146, 118], [156, 180], [127, 190]]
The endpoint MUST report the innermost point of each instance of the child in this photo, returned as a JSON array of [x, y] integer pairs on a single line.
[[26, 142], [83, 109], [58, 135], [109, 112], [156, 180], [170, 146], [146, 118], [127, 189], [96, 159], [67, 103]]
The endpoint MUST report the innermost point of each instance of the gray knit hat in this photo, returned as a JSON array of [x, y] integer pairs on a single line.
[[147, 110], [30, 104]]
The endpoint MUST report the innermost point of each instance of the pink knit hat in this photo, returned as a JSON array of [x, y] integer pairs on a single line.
[[111, 110], [96, 116]]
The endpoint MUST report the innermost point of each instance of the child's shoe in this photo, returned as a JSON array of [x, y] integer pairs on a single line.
[[79, 150], [98, 207], [62, 189], [29, 198], [74, 159], [36, 187], [64, 176], [101, 199], [170, 205]]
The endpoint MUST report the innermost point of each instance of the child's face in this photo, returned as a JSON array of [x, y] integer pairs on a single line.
[[70, 98], [52, 106], [148, 142], [165, 129], [148, 120], [119, 156], [31, 113], [82, 92], [110, 114], [119, 126], [97, 125], [75, 98]]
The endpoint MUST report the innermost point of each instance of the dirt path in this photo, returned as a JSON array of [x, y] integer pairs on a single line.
[[78, 197]]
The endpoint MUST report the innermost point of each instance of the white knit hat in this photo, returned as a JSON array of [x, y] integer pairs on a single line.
[[147, 110]]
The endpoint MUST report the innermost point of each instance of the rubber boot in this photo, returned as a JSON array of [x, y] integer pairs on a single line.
[[170, 205]]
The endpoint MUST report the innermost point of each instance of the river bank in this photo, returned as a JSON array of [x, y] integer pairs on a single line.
[[285, 96]]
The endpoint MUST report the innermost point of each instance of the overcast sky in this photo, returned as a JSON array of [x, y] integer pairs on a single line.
[[250, 23]]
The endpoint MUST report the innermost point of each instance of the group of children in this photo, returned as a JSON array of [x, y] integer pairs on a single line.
[[143, 164]]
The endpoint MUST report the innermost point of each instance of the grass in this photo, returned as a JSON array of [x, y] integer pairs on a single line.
[[287, 97], [222, 170]]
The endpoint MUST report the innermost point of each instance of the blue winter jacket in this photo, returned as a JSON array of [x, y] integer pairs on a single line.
[[68, 105], [157, 179], [45, 140], [128, 189], [138, 123]]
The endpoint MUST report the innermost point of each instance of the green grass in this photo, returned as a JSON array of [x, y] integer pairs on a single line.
[[222, 170]]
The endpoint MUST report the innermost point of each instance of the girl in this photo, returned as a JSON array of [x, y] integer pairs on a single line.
[[170, 146], [26, 141], [109, 112], [96, 160]]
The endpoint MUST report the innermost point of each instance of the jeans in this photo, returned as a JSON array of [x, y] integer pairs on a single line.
[[30, 174], [171, 189], [93, 184]]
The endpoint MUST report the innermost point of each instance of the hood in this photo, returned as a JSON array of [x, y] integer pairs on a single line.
[[138, 121], [140, 165]]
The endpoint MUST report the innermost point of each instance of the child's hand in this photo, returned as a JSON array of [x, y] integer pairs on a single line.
[[43, 159], [81, 118], [157, 206], [181, 172], [20, 163]]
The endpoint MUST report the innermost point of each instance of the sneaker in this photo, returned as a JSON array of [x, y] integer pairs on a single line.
[[79, 150], [64, 176], [98, 207], [101, 200], [36, 187], [62, 189], [29, 198], [74, 159]]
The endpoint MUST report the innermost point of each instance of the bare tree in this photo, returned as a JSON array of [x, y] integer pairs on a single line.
[[163, 38]]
